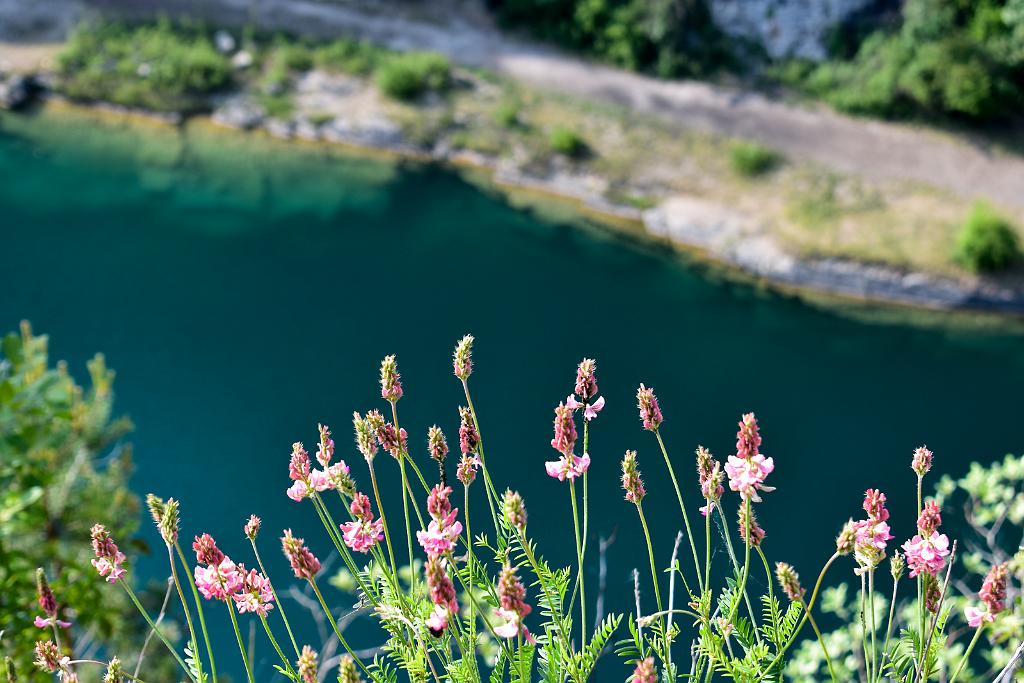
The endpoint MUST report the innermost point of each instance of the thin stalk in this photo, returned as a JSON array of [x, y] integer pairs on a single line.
[[406, 494], [551, 602], [273, 641], [492, 494], [238, 636], [337, 631], [579, 560], [821, 642], [682, 508], [920, 578], [199, 609], [874, 625], [277, 600], [746, 565], [732, 558], [967, 654], [334, 531], [188, 614], [807, 610], [650, 556], [469, 566], [888, 626], [707, 543], [864, 626], [163, 639], [384, 521]]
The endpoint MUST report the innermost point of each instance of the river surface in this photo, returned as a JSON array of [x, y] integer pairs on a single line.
[[246, 289]]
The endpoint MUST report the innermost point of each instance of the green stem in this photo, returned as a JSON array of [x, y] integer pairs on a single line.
[[707, 544], [199, 609], [888, 626], [277, 600], [406, 494], [734, 560], [650, 556], [273, 641], [821, 642], [469, 567], [682, 508], [556, 616], [492, 494], [746, 565], [579, 560], [188, 614], [807, 611], [337, 631], [967, 654], [384, 522], [874, 625], [238, 636], [163, 639]]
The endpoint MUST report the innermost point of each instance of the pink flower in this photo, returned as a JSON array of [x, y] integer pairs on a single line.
[[393, 441], [390, 386], [591, 411], [440, 535], [512, 606], [325, 449], [872, 533], [571, 403], [469, 438], [568, 467], [709, 474], [993, 597], [870, 536], [438, 505], [361, 536], [442, 594], [650, 412], [254, 595], [644, 672], [220, 581], [206, 549], [437, 622], [252, 527], [304, 563], [747, 475], [466, 471], [47, 603], [40, 622], [930, 518], [750, 526], [586, 379], [874, 505], [564, 440], [922, 461], [298, 491], [926, 554], [109, 560], [437, 446], [748, 438], [299, 465]]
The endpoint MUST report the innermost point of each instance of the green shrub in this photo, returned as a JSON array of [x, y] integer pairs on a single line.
[[506, 114], [567, 141], [409, 75], [987, 241], [751, 159], [296, 56], [358, 58], [156, 66]]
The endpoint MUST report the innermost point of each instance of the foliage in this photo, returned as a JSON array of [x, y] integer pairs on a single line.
[[567, 141], [154, 66], [948, 58], [751, 159], [61, 470], [409, 75], [670, 38], [492, 607], [987, 241], [507, 113], [356, 57]]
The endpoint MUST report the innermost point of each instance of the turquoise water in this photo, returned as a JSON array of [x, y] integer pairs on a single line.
[[245, 290]]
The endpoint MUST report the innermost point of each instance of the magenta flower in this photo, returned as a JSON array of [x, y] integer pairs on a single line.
[[252, 527], [748, 438], [390, 384], [512, 605], [568, 467], [586, 379], [650, 412], [592, 409], [469, 438], [872, 534], [565, 430], [926, 555], [363, 532], [930, 518], [220, 581], [325, 449], [109, 560], [304, 563], [254, 595], [438, 505], [206, 549], [747, 475], [644, 672], [443, 531], [442, 594], [993, 597], [47, 603], [299, 466], [922, 461], [874, 505], [393, 441], [466, 471]]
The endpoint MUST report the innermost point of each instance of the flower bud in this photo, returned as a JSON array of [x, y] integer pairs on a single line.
[[347, 671], [922, 461], [650, 412], [306, 665], [847, 538], [366, 436], [790, 581], [462, 359], [47, 602], [632, 482], [436, 444], [115, 672], [390, 380], [252, 527], [514, 510], [896, 566]]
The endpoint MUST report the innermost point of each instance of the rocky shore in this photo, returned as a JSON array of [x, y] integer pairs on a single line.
[[348, 110]]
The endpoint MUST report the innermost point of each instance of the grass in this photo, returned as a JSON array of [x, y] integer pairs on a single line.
[[407, 76], [567, 142], [750, 159]]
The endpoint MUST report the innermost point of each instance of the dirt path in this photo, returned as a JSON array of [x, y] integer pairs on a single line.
[[875, 150]]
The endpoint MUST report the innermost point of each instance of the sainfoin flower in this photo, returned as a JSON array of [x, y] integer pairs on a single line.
[[437, 445], [443, 530], [922, 461], [709, 474], [926, 552], [871, 535], [363, 532], [206, 549], [252, 527], [442, 594], [993, 597], [514, 510], [564, 440], [749, 526], [394, 441], [512, 605], [466, 471], [650, 412], [304, 563], [325, 449], [254, 595], [47, 603], [462, 358], [469, 438], [306, 665], [347, 671], [48, 657], [568, 467], [644, 671], [789, 580], [632, 482], [220, 581], [390, 384], [366, 437], [748, 468], [109, 561]]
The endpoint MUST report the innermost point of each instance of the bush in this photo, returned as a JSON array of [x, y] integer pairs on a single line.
[[358, 58], [567, 141], [506, 114], [407, 76], [153, 66], [751, 159], [987, 241], [58, 475]]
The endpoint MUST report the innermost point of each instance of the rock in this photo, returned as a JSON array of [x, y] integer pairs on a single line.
[[224, 42], [241, 59], [280, 128], [239, 111], [15, 91]]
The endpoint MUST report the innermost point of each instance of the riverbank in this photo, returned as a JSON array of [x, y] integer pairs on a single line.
[[794, 224]]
